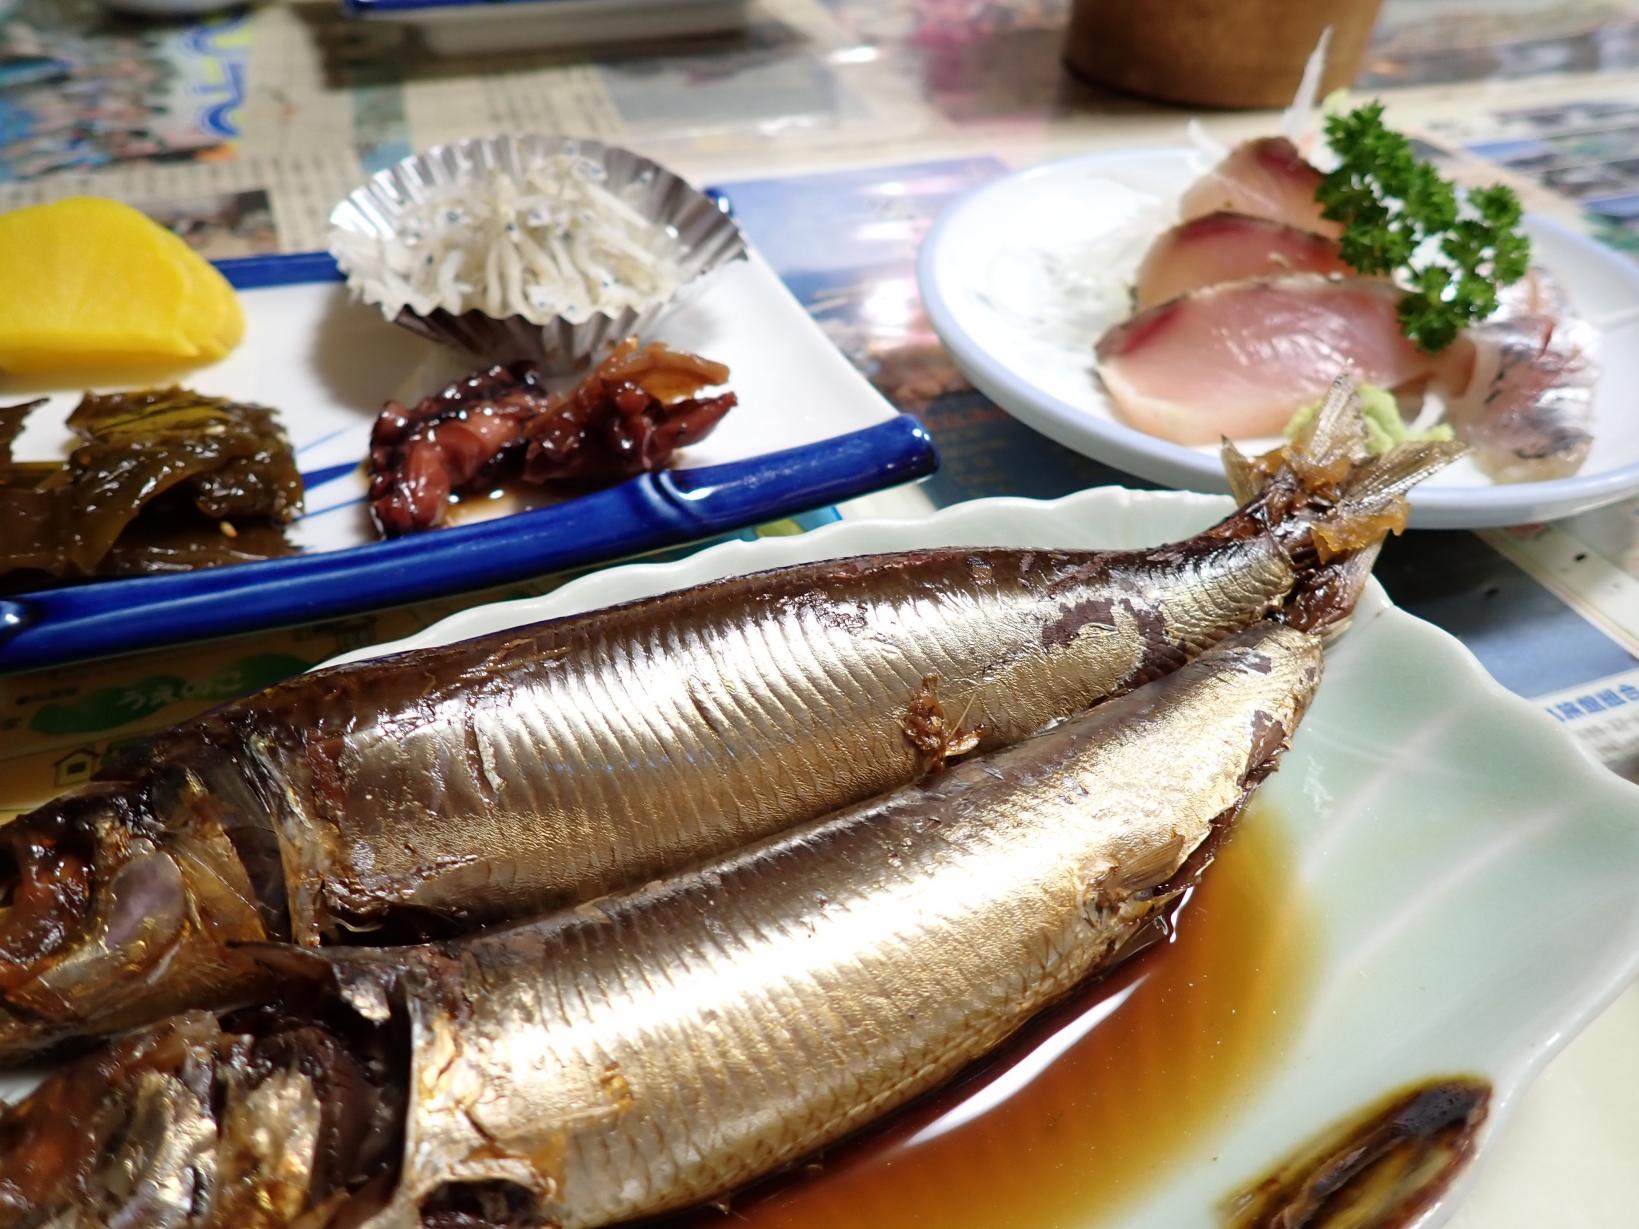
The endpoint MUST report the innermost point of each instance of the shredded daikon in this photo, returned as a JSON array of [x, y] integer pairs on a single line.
[[553, 241], [1297, 122], [1205, 150]]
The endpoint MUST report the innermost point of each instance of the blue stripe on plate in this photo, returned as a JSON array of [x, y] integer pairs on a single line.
[[295, 268], [318, 477], [636, 516]]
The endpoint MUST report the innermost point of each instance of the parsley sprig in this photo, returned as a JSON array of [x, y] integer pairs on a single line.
[[1391, 203]]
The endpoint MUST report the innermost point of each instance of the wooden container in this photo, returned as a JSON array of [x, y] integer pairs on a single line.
[[1215, 53]]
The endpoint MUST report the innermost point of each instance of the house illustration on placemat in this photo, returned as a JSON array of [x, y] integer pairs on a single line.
[[76, 766]]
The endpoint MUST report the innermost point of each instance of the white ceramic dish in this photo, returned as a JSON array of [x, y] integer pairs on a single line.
[[1472, 872], [1018, 276]]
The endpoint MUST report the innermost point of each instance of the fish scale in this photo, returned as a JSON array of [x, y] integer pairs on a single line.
[[789, 1022]]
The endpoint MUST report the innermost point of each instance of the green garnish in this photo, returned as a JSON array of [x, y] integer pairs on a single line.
[[1390, 204], [1381, 414]]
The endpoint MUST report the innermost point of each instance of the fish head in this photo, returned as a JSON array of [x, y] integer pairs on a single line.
[[99, 899], [126, 1127], [252, 1119]]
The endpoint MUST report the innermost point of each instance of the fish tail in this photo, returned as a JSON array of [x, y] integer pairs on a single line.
[[1328, 483], [1372, 501], [1331, 502]]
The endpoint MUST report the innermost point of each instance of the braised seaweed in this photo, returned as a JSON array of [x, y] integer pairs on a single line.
[[160, 480]]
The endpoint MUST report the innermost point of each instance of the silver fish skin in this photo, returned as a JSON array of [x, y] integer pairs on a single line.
[[689, 1037], [663, 1046], [429, 793], [1522, 396]]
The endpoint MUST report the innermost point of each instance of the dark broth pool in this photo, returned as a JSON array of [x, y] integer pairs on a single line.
[[1095, 1101]]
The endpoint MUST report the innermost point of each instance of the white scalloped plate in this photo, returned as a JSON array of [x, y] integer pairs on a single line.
[[1474, 875]]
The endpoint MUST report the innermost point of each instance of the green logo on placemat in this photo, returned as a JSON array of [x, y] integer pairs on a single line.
[[108, 707]]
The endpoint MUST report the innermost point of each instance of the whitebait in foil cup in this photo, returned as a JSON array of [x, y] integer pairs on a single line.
[[540, 247]]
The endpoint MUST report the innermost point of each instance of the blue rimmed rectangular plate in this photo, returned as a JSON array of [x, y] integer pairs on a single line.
[[456, 27], [809, 431]]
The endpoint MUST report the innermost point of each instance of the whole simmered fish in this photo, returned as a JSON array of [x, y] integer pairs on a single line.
[[425, 794], [659, 1047]]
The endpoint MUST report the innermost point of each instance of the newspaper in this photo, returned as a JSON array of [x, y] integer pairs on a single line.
[[78, 90], [244, 206], [1585, 149], [1436, 42]]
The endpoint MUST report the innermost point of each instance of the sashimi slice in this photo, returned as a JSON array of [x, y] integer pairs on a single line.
[[1535, 294], [1229, 247], [1519, 392], [1240, 359], [1267, 178]]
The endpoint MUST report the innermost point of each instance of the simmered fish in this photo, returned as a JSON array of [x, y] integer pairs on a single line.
[[662, 1046], [429, 793]]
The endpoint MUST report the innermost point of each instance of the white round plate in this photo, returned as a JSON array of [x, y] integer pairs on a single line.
[[1469, 871], [1020, 278]]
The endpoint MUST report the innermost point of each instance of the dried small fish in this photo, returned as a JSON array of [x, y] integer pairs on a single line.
[[660, 1047], [426, 794]]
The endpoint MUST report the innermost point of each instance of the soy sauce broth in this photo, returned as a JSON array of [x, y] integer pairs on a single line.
[[1092, 1104]]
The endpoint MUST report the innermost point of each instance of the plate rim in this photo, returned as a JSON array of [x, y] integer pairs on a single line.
[[1161, 460]]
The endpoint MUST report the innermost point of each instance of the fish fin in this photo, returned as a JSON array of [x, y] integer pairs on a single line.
[[928, 728], [1245, 478], [1327, 486], [1399, 469], [1372, 502], [1332, 442], [1331, 503], [1321, 455]]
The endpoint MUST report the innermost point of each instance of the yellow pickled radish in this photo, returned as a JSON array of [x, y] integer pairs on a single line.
[[88, 282], [199, 310], [220, 324]]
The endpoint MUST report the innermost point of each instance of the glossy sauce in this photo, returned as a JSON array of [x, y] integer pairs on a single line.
[[1095, 1101], [503, 499]]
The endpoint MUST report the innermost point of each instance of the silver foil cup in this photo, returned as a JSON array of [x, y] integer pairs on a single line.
[[707, 234]]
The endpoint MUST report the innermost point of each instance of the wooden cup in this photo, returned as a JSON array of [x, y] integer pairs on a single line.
[[1216, 53]]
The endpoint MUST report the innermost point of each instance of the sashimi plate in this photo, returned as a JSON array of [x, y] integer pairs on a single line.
[[1468, 872], [1023, 275]]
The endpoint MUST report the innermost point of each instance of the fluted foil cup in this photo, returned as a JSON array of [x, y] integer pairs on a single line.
[[708, 236]]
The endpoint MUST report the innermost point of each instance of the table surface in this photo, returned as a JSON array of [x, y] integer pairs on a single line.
[[242, 131]]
